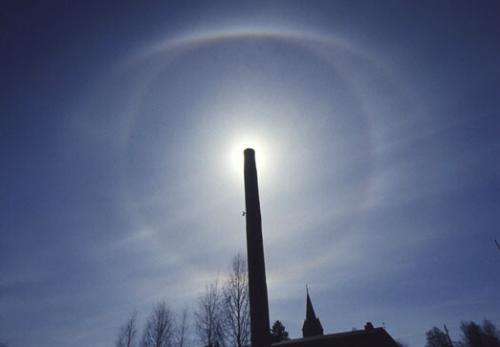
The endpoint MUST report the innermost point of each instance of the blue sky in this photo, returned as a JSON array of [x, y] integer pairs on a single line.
[[376, 128]]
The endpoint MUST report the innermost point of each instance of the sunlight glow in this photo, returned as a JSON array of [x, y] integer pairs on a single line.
[[262, 153]]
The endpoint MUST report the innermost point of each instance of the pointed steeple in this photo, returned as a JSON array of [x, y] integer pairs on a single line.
[[312, 325], [310, 314]]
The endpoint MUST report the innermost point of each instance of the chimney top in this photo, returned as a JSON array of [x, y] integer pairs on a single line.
[[368, 326], [249, 151]]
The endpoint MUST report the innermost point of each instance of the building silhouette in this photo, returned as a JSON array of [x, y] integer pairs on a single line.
[[312, 325], [312, 329]]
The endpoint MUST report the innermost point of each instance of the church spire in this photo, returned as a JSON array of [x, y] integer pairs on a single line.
[[310, 314], [312, 325]]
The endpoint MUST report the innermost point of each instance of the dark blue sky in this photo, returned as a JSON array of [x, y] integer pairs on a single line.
[[376, 126]]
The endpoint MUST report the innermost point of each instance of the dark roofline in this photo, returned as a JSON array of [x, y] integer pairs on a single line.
[[331, 336]]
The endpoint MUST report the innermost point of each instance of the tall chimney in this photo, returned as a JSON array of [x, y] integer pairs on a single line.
[[259, 308]]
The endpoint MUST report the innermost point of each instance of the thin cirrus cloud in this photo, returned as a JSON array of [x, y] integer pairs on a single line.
[[378, 186]]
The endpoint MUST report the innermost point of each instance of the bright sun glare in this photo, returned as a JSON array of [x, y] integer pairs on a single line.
[[262, 153]]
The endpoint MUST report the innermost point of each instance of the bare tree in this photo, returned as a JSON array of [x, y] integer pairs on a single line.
[[128, 332], [476, 336], [237, 316], [181, 331], [491, 335], [159, 328], [436, 338], [209, 317]]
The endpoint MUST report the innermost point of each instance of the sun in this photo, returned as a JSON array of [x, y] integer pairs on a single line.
[[240, 143]]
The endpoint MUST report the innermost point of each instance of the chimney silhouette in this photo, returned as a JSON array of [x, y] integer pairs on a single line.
[[259, 307]]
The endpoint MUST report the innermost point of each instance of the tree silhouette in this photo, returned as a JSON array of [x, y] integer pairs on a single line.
[[159, 328], [437, 338], [477, 336], [473, 335], [209, 317], [128, 332], [278, 332], [181, 331], [491, 336], [237, 314]]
